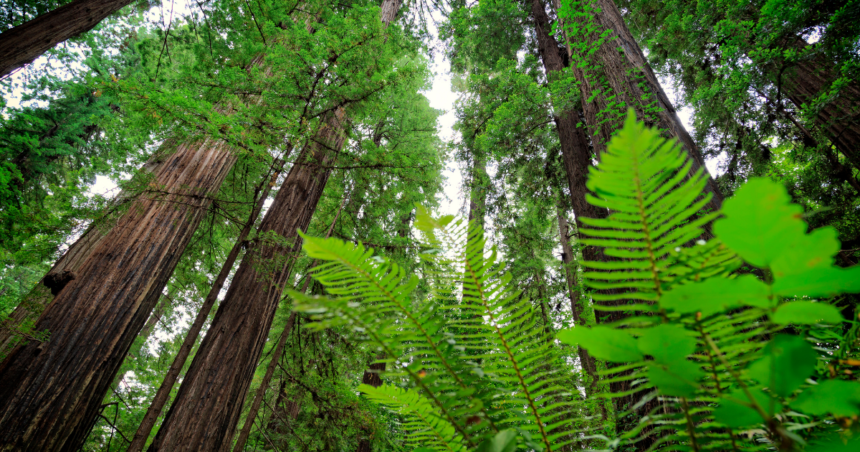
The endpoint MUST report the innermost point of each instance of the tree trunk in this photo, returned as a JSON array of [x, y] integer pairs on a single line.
[[574, 143], [371, 377], [50, 392], [276, 356], [576, 304], [166, 387], [478, 191], [806, 80], [616, 73], [63, 272], [26, 42], [210, 399], [264, 385]]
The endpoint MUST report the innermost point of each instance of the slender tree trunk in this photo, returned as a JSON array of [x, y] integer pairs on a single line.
[[478, 191], [50, 392], [163, 393], [26, 42], [63, 272], [264, 385], [576, 304], [371, 377], [276, 356], [207, 408]]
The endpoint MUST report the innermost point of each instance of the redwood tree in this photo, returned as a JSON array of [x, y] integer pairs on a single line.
[[50, 392], [26, 42]]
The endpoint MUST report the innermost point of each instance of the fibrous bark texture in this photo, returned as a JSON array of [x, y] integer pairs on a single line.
[[26, 42], [209, 403], [64, 271], [617, 73], [839, 117], [163, 393], [50, 392]]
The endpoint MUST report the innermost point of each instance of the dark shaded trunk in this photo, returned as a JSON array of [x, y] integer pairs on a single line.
[[50, 392], [163, 393], [63, 272], [804, 81], [210, 399], [264, 385], [575, 145], [26, 42], [276, 356], [371, 377], [478, 191], [589, 365]]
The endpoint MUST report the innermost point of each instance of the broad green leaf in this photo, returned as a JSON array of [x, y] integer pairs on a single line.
[[836, 443], [760, 221], [604, 343], [809, 251], [504, 441], [679, 379], [716, 295], [668, 344], [806, 313], [819, 282], [839, 397], [734, 414], [786, 363]]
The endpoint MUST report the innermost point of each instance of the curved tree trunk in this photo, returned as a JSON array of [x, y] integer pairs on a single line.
[[26, 42], [207, 408], [50, 392]]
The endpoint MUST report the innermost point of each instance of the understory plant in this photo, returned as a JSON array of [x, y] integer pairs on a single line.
[[723, 323]]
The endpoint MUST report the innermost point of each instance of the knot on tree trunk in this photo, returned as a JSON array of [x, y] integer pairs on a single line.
[[56, 281]]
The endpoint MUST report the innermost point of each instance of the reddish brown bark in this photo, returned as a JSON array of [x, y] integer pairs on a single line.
[[63, 272], [617, 68], [26, 42], [163, 393], [839, 118], [50, 392], [210, 399], [618, 73], [276, 357]]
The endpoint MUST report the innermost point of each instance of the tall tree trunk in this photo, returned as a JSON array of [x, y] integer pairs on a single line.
[[805, 80], [478, 191], [615, 72], [264, 385], [163, 393], [209, 403], [576, 304], [371, 377], [50, 392], [26, 42], [574, 143], [63, 272], [276, 356]]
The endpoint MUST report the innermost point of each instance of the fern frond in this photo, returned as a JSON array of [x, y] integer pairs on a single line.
[[424, 428], [655, 206]]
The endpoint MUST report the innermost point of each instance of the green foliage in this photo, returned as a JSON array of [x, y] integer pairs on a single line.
[[472, 350], [731, 355]]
